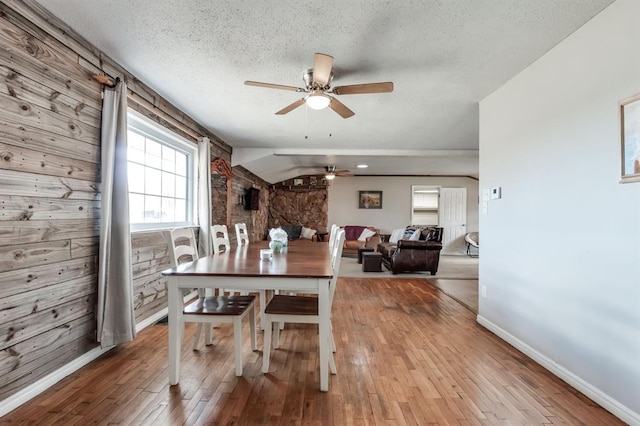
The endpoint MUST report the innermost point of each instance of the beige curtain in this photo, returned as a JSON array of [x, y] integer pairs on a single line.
[[115, 316]]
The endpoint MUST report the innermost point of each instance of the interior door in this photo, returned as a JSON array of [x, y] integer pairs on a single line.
[[453, 218]]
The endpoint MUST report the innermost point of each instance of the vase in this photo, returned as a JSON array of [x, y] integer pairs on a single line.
[[276, 246]]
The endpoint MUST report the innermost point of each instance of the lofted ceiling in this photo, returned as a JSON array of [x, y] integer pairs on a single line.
[[443, 57]]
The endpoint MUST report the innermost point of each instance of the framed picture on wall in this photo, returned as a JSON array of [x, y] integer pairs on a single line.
[[369, 199], [630, 139]]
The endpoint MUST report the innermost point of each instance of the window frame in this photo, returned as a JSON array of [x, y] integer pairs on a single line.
[[150, 129]]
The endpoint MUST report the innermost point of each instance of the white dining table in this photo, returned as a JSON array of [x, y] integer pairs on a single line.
[[304, 267]]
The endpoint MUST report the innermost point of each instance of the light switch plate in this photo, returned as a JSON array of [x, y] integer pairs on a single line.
[[486, 194], [496, 192]]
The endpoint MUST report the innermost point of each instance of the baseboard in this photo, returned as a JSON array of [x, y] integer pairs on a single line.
[[613, 406], [36, 388]]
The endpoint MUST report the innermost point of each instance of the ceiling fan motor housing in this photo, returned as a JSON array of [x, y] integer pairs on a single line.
[[309, 84]]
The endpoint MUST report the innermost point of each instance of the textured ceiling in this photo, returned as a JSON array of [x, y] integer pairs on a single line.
[[443, 56]]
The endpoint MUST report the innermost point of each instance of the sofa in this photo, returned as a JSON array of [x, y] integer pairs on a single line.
[[407, 255], [299, 232], [352, 240]]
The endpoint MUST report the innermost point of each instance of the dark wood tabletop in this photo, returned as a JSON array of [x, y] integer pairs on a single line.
[[303, 259]]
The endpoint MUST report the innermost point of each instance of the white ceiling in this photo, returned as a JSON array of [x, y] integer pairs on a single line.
[[443, 56]]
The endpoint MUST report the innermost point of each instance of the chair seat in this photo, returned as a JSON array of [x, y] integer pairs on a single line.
[[292, 305], [219, 305]]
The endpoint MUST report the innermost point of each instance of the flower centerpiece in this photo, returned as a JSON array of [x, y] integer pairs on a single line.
[[278, 241]]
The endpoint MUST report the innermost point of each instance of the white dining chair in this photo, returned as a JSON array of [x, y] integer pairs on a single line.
[[210, 310], [332, 236], [242, 235], [220, 238], [300, 309], [221, 243]]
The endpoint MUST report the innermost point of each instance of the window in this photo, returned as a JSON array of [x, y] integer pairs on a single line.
[[162, 176]]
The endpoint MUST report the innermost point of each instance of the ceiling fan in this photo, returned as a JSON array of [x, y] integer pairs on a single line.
[[319, 91], [331, 172]]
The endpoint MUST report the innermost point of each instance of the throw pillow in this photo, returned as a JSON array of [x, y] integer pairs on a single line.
[[366, 233], [307, 233], [407, 233], [415, 236], [293, 231], [396, 235]]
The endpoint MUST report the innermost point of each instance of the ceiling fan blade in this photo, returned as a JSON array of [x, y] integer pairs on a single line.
[[355, 89], [273, 86], [291, 107], [322, 65], [341, 108]]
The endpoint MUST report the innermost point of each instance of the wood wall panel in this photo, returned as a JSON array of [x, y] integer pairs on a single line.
[[32, 184], [45, 298], [25, 89], [49, 204], [29, 355], [23, 135], [50, 111], [31, 161], [23, 280], [32, 231], [54, 360], [33, 254], [20, 329], [33, 208]]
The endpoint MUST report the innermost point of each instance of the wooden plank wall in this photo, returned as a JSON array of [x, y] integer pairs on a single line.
[[50, 111]]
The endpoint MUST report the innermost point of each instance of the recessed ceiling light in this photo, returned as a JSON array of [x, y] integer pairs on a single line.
[[362, 166]]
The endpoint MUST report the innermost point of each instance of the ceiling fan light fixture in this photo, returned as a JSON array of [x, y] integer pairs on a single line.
[[318, 101], [362, 166], [330, 176]]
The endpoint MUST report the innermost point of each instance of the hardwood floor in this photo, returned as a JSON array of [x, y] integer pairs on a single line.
[[406, 354]]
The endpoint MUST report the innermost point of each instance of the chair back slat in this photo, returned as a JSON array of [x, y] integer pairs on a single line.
[[242, 235], [220, 238], [182, 246]]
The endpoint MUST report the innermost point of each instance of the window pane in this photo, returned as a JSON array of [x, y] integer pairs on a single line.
[[181, 210], [135, 141], [136, 208], [153, 184], [136, 178], [168, 209], [154, 154], [152, 209], [168, 159], [181, 164], [181, 187], [168, 184]]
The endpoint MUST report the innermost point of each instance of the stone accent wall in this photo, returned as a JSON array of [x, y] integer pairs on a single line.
[[299, 207], [256, 220], [218, 199]]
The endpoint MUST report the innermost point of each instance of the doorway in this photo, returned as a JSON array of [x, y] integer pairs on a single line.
[[424, 205]]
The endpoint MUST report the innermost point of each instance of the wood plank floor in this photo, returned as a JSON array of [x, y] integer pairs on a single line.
[[407, 354]]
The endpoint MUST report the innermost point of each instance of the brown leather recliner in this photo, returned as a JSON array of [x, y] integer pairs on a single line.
[[410, 256]]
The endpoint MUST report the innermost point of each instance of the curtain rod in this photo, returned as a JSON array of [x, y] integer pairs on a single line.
[[107, 81]]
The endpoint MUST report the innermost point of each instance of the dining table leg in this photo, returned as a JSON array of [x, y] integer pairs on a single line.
[[324, 330], [175, 312]]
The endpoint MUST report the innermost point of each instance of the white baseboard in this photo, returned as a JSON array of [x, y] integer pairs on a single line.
[[36, 388], [613, 406]]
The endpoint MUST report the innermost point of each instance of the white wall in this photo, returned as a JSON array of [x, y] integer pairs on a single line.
[[396, 200], [561, 249]]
